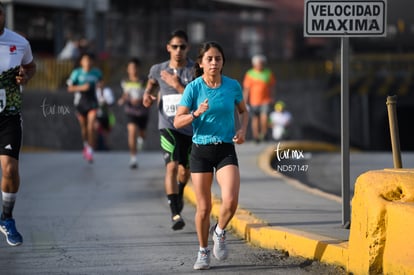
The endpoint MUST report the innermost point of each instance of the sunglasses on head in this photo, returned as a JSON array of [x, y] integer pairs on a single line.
[[182, 47]]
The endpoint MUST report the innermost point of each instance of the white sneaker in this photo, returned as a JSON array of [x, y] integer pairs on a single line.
[[203, 260], [220, 251], [140, 143], [133, 164]]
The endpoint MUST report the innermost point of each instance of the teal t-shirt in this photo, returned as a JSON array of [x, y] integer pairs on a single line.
[[80, 77], [217, 124]]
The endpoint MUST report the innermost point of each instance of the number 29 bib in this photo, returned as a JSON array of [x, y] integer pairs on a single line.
[[170, 104]]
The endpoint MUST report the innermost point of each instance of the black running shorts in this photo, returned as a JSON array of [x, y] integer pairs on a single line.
[[140, 121], [175, 147], [204, 158], [10, 135], [86, 106]]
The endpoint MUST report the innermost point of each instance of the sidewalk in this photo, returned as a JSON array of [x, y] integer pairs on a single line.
[[276, 212]]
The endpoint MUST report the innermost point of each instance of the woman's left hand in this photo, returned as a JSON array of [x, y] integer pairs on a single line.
[[239, 138]]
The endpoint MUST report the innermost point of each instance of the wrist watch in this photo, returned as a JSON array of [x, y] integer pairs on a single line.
[[193, 115]]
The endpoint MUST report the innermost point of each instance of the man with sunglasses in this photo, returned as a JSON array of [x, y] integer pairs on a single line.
[[169, 78]]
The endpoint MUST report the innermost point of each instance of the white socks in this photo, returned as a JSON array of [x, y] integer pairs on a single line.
[[219, 231]]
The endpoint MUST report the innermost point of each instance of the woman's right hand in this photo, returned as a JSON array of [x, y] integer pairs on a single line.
[[202, 108]]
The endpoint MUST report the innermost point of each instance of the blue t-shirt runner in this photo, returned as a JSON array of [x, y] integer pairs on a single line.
[[213, 125]]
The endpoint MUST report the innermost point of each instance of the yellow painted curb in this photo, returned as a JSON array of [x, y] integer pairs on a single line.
[[301, 243]]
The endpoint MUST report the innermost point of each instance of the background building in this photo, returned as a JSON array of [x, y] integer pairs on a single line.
[[307, 69]]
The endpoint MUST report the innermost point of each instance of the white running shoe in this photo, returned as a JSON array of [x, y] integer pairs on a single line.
[[133, 164], [203, 260], [220, 251], [140, 143]]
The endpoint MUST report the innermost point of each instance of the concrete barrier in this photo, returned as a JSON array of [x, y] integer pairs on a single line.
[[382, 218], [398, 250]]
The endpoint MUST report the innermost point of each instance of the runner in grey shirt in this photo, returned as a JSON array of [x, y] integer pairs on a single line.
[[169, 95], [169, 78]]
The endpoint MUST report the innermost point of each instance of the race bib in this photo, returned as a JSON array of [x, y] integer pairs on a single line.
[[2, 99], [170, 104]]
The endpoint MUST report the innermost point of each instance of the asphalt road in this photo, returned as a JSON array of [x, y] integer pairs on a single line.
[[103, 218]]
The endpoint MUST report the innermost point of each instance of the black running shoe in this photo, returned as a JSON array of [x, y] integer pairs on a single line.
[[177, 222]]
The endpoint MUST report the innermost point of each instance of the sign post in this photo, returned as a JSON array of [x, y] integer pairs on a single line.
[[345, 170], [326, 18]]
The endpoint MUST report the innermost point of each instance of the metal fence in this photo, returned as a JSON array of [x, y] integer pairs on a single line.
[[52, 74]]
